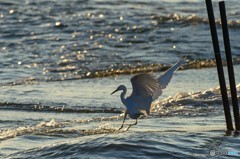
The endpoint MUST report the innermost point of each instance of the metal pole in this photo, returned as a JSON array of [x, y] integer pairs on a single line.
[[219, 65], [229, 65]]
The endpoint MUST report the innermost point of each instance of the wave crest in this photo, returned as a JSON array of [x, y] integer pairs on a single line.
[[121, 70]]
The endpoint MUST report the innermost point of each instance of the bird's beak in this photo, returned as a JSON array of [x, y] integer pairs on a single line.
[[114, 91]]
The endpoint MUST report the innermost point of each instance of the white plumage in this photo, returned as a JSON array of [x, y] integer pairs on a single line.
[[145, 89]]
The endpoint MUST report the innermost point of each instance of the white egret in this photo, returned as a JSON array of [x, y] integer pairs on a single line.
[[145, 89]]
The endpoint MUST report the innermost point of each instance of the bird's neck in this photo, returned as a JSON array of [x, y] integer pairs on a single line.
[[123, 99]]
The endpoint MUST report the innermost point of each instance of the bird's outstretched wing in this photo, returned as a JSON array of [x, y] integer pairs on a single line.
[[144, 85], [166, 77]]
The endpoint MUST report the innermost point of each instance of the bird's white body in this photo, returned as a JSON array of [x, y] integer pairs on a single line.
[[146, 89], [136, 106]]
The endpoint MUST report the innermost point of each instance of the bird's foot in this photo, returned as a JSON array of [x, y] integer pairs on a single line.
[[125, 129], [128, 127], [131, 125], [120, 128]]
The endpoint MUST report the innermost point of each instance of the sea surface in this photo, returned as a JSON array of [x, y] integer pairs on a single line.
[[61, 59]]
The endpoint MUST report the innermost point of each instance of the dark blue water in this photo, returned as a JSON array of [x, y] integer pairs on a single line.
[[67, 39], [61, 59]]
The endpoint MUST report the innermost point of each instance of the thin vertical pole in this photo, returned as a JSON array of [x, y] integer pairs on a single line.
[[229, 65], [219, 65]]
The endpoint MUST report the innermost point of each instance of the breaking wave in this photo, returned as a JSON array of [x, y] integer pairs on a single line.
[[118, 70], [190, 19], [202, 103], [56, 109]]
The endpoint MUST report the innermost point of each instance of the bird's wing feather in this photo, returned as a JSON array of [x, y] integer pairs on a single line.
[[166, 77], [144, 85]]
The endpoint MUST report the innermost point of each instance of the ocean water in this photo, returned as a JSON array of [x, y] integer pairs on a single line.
[[60, 60]]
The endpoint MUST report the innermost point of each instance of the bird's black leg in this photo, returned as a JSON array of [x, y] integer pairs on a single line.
[[125, 115], [131, 125]]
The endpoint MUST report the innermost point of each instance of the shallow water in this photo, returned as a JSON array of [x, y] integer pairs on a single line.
[[60, 60]]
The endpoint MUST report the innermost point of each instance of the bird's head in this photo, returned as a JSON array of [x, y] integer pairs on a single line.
[[121, 87]]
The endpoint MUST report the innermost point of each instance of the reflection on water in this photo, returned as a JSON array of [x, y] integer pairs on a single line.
[[54, 105], [59, 40]]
